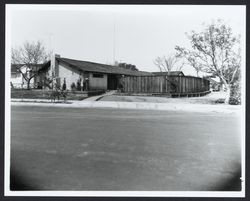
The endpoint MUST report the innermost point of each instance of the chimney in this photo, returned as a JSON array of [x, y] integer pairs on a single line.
[[54, 65]]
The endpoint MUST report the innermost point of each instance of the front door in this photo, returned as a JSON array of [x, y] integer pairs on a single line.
[[112, 82]]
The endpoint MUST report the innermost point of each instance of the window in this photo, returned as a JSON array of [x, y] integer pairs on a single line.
[[97, 75]]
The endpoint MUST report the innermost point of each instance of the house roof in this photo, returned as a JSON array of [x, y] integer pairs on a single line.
[[34, 67], [173, 73], [100, 68], [214, 80]]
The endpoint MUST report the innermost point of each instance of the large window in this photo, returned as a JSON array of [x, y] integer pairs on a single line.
[[98, 75]]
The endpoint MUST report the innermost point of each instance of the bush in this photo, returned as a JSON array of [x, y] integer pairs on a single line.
[[235, 95], [78, 85], [57, 87], [220, 100], [64, 86], [73, 86], [234, 101]]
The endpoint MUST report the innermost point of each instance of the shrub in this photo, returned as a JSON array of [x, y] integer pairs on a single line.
[[57, 86], [73, 86], [64, 87], [78, 87], [235, 95], [220, 100]]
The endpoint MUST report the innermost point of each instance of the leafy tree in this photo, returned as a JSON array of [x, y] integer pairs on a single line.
[[29, 54], [190, 57], [127, 66], [216, 50]]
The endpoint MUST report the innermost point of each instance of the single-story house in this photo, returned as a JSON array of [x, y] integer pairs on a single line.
[[171, 73], [21, 71], [89, 75], [215, 84]]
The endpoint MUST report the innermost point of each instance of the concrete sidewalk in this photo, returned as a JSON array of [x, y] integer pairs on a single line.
[[96, 98], [222, 108]]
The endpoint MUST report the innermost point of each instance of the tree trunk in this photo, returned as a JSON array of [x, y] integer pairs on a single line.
[[227, 88], [28, 84], [228, 92]]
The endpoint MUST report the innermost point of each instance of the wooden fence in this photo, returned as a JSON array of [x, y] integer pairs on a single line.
[[164, 84]]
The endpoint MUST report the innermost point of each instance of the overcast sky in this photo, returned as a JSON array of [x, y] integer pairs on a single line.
[[131, 34]]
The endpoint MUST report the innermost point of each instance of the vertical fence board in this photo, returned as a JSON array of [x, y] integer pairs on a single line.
[[139, 84], [125, 82], [142, 84], [193, 85], [184, 85], [164, 85], [130, 84], [149, 85], [134, 84]]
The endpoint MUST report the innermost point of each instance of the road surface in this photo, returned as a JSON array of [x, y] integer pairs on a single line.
[[118, 149]]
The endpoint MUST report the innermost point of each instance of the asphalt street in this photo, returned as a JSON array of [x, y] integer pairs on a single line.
[[126, 150]]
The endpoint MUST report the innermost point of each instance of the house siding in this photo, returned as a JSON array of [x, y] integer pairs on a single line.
[[98, 83], [18, 81], [70, 75]]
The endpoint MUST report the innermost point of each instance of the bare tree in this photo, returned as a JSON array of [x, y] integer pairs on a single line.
[[217, 51], [169, 63], [28, 55]]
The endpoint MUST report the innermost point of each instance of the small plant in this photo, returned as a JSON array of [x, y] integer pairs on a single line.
[[78, 87], [235, 95], [234, 101], [57, 86], [220, 100], [64, 86], [64, 95], [73, 86]]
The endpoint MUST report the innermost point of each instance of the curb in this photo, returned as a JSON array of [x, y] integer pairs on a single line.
[[138, 106]]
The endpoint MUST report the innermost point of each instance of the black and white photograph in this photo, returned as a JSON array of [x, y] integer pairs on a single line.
[[125, 100]]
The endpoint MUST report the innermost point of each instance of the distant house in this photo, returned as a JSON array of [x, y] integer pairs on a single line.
[[171, 73], [17, 78], [215, 84], [89, 75]]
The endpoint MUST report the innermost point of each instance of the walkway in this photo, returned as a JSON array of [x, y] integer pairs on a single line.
[[96, 98]]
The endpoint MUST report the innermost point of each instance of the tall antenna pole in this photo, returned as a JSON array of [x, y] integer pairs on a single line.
[[52, 53], [51, 47], [52, 60], [114, 41]]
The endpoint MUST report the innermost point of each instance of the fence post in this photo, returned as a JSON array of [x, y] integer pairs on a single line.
[[22, 91]]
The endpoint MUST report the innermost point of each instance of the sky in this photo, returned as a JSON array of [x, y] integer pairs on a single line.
[[123, 33]]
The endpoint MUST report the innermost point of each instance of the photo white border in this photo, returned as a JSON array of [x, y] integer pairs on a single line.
[[63, 7]]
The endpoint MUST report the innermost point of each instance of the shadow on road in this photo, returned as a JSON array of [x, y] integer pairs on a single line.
[[18, 182], [233, 184]]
